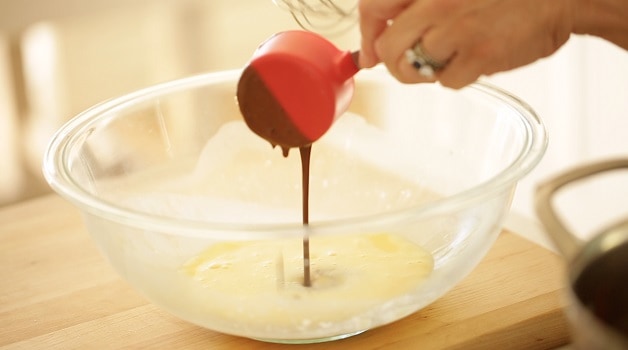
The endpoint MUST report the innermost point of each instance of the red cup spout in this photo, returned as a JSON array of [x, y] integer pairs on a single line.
[[296, 84]]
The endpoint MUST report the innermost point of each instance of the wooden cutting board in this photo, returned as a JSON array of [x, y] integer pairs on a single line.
[[57, 292]]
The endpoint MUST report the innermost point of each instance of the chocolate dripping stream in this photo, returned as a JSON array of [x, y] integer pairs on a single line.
[[305, 169]]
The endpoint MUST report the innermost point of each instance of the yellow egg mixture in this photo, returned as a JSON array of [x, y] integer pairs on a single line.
[[262, 282], [360, 279]]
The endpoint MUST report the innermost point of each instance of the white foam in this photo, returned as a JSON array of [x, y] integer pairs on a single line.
[[239, 177], [203, 208]]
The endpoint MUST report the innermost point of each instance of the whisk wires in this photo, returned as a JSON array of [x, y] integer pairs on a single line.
[[322, 16]]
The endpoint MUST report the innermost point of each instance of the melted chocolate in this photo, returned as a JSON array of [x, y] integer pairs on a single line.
[[305, 178], [602, 287], [265, 116]]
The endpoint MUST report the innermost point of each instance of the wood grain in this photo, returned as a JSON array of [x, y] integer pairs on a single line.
[[58, 292]]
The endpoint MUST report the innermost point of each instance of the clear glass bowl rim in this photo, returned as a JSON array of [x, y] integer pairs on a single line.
[[59, 177]]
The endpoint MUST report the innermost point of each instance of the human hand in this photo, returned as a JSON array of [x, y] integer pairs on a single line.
[[473, 37]]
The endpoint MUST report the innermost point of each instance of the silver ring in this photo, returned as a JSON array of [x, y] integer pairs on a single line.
[[422, 62]]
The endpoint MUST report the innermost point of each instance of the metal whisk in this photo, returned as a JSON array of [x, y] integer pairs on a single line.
[[329, 17]]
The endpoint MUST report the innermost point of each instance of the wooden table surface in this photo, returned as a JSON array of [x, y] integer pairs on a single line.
[[58, 292]]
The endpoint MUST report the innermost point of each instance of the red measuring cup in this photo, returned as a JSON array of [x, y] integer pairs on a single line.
[[296, 84]]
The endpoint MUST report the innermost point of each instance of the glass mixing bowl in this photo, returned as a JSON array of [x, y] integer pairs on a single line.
[[408, 191]]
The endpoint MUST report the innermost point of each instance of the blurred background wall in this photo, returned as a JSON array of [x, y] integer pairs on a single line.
[[58, 57]]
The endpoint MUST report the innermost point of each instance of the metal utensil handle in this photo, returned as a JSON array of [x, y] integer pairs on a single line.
[[566, 242]]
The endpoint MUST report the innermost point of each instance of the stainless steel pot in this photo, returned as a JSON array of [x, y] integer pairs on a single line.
[[597, 269]]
